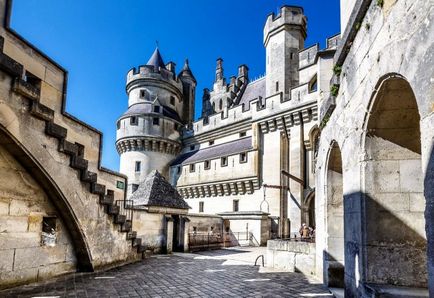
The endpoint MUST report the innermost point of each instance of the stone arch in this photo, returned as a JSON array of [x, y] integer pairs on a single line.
[[32, 166], [309, 209], [393, 223], [334, 256]]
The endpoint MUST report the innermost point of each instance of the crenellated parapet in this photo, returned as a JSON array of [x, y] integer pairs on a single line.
[[152, 74]]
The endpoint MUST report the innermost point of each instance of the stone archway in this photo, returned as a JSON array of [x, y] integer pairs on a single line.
[[32, 166], [393, 220], [334, 257]]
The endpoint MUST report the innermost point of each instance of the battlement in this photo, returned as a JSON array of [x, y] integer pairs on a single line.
[[288, 16], [153, 73]]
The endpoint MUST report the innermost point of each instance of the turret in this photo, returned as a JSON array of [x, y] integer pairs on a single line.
[[284, 37], [159, 104], [189, 90]]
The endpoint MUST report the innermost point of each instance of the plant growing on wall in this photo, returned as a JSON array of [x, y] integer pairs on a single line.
[[380, 3], [337, 69], [334, 90]]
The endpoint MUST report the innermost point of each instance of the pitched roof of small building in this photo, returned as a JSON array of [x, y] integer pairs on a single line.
[[156, 60], [229, 148], [156, 191]]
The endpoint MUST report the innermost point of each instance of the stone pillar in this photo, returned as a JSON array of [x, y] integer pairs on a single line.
[[169, 234], [186, 229]]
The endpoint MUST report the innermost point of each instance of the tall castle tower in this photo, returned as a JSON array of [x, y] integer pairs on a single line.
[[284, 36], [160, 104]]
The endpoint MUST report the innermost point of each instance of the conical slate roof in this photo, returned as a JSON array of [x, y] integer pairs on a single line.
[[186, 71], [156, 191], [156, 60]]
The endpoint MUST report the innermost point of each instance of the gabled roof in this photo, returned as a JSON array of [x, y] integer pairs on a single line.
[[156, 191], [226, 149], [253, 91], [156, 60]]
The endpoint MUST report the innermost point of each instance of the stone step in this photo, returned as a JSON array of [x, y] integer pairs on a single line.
[[113, 210], [68, 147], [97, 189], [141, 248], [137, 242], [79, 163], [120, 219], [126, 227], [88, 176], [106, 200], [131, 235], [41, 111], [54, 130]]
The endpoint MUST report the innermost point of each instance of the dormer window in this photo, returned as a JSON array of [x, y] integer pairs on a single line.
[[134, 120]]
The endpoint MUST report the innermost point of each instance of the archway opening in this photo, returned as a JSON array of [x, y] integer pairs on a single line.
[[335, 254], [394, 223]]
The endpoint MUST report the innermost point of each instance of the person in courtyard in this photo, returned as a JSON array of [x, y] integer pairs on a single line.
[[304, 231]]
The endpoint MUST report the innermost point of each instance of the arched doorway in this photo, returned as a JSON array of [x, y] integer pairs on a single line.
[[334, 257], [394, 223]]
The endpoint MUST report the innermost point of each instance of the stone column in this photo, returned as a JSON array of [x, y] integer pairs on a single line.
[[169, 234]]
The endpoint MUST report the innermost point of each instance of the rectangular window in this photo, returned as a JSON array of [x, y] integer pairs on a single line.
[[118, 124], [134, 187], [211, 142], [172, 100], [192, 168], [243, 157], [178, 169], [236, 205], [207, 165], [138, 166], [201, 207], [134, 120], [277, 86], [243, 134], [192, 147], [156, 109], [156, 121], [224, 161]]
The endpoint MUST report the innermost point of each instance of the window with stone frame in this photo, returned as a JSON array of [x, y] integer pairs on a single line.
[[192, 168], [138, 166], [243, 157], [156, 121], [118, 124], [201, 205], [207, 165], [134, 120], [236, 204], [210, 143], [178, 169], [224, 161]]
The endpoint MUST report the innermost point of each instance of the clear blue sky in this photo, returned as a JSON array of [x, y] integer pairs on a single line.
[[98, 41]]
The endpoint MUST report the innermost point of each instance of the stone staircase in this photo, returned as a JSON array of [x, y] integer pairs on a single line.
[[75, 151]]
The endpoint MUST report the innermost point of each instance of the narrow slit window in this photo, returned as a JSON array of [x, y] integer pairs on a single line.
[[207, 165], [49, 230], [277, 86], [201, 205], [172, 100], [236, 205], [138, 166], [192, 168], [243, 157]]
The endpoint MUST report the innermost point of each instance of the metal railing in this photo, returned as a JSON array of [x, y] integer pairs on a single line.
[[126, 208]]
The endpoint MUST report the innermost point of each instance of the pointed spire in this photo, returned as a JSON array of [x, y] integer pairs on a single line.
[[156, 60], [186, 71]]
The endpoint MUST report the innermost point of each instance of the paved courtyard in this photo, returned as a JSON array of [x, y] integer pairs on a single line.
[[220, 273]]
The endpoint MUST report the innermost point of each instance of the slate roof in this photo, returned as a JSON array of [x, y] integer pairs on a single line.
[[146, 108], [156, 191], [156, 60], [229, 148], [253, 91]]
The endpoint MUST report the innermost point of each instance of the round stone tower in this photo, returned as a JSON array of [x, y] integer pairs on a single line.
[[160, 104]]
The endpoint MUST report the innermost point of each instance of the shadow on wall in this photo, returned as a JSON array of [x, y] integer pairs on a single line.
[[429, 217], [389, 252]]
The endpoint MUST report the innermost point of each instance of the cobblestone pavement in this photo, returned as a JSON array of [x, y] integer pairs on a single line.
[[222, 273]]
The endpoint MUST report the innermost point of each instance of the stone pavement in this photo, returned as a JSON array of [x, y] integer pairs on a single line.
[[222, 273]]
